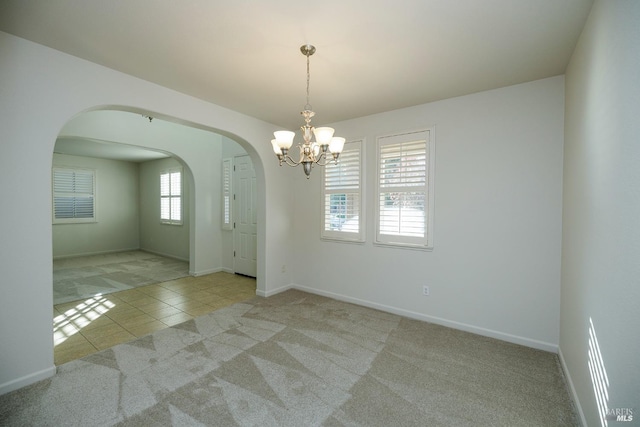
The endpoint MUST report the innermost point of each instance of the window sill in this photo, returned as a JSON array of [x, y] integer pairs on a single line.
[[92, 221], [336, 240], [404, 246]]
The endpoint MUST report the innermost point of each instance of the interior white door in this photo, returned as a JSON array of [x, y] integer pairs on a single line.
[[245, 222]]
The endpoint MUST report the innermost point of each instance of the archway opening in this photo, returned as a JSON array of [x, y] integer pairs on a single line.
[[93, 141]]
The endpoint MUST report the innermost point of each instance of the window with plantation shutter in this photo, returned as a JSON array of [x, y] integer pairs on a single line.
[[226, 194], [405, 190], [342, 196], [171, 196], [73, 195]]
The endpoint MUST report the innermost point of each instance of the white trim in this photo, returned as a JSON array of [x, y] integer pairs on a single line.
[[404, 246], [515, 339], [431, 185], [163, 254], [27, 380], [352, 242], [572, 389], [100, 253], [204, 272], [267, 294], [122, 250]]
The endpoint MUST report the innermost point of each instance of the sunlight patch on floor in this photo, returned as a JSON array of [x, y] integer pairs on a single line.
[[78, 317]]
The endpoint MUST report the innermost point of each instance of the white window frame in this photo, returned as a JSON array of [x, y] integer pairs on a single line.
[[170, 220], [74, 194], [410, 184], [227, 194], [355, 191]]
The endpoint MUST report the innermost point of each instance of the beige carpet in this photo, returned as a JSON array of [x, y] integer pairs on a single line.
[[297, 359], [79, 278]]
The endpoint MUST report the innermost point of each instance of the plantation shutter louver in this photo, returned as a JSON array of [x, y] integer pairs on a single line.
[[226, 194], [73, 195], [171, 197], [403, 186], [342, 195]]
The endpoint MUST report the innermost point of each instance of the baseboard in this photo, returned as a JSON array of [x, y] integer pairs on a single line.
[[204, 272], [114, 251], [27, 380], [572, 389], [528, 342], [273, 291], [163, 254]]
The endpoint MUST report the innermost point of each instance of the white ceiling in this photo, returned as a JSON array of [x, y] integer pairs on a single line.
[[372, 55]]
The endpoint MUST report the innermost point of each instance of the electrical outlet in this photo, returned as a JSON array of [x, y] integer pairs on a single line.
[[425, 290], [284, 268]]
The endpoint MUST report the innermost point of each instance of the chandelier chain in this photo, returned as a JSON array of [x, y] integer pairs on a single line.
[[308, 106]]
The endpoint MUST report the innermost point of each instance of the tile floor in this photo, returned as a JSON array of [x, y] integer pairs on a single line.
[[87, 326]]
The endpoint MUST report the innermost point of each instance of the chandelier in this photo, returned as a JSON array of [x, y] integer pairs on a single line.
[[311, 152]]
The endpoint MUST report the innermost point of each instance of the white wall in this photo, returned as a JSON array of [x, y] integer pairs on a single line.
[[495, 267], [116, 226], [165, 239], [41, 90], [601, 232]]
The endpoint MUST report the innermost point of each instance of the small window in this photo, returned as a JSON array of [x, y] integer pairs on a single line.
[[73, 195], [342, 196], [405, 190], [227, 166], [171, 196]]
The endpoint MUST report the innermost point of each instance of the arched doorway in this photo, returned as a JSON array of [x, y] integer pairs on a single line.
[[156, 147]]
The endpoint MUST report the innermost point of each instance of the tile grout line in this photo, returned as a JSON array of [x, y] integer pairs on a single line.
[[188, 286]]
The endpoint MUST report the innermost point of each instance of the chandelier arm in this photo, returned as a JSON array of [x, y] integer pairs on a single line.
[[290, 162], [326, 161]]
